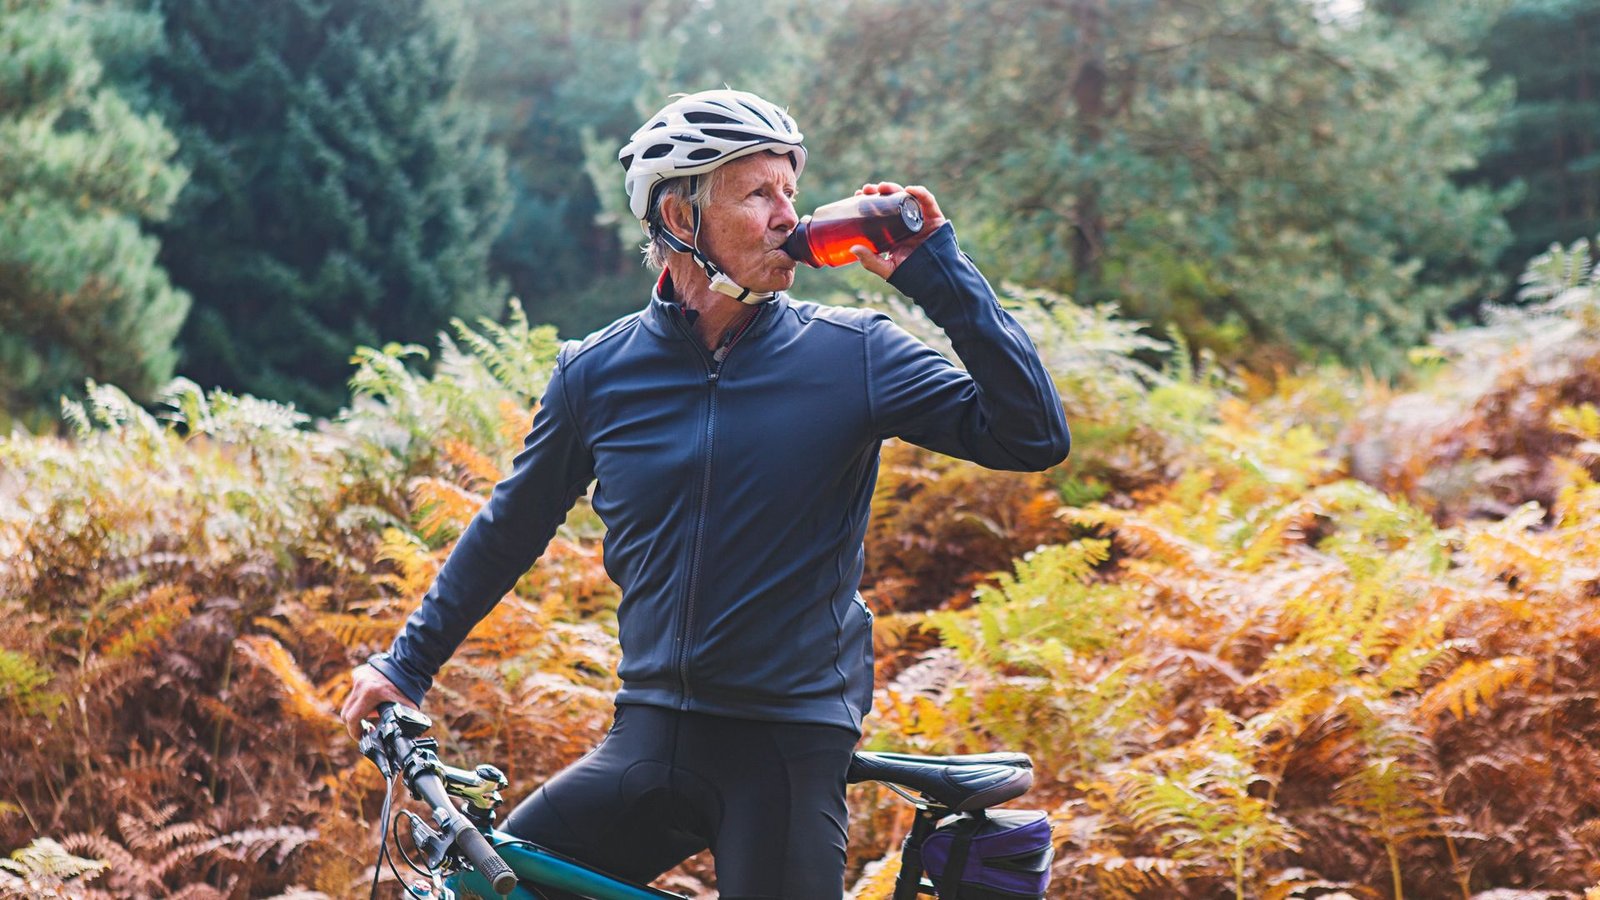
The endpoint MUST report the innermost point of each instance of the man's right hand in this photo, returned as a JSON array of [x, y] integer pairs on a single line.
[[368, 688]]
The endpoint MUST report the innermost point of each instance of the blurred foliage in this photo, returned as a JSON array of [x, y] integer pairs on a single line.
[[1495, 441], [342, 192], [1277, 179], [1243, 170], [1549, 141], [182, 595], [566, 83], [1248, 172], [1275, 629], [1276, 681], [82, 177], [1240, 671]]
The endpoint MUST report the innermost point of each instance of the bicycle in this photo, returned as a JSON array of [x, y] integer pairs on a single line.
[[465, 856]]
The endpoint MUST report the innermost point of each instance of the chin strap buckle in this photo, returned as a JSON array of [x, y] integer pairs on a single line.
[[722, 284]]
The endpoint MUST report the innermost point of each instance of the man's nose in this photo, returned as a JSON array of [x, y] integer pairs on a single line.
[[786, 218]]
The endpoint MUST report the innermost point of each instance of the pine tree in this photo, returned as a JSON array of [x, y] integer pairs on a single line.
[[81, 176], [342, 193], [1550, 139]]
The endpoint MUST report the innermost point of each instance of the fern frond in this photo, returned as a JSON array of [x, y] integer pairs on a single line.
[[114, 854], [1474, 683], [475, 463], [1555, 272], [1289, 524], [44, 862], [180, 833], [417, 564], [145, 831], [355, 632], [299, 695], [1131, 876], [258, 841], [445, 508], [382, 373], [153, 619], [516, 420], [23, 683], [298, 892], [1581, 421], [1143, 538], [251, 844], [516, 354], [196, 890], [1506, 550], [219, 711]]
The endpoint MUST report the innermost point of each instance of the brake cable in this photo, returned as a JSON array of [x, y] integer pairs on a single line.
[[383, 848]]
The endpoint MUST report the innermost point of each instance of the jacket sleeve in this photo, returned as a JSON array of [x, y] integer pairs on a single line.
[[501, 542], [1003, 412]]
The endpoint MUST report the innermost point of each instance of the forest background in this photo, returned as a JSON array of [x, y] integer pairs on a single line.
[[1313, 609]]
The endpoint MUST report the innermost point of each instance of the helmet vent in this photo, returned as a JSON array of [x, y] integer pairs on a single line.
[[700, 117], [756, 112], [704, 153], [730, 135], [658, 151]]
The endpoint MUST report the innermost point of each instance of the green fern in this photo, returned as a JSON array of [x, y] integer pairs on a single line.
[[516, 355], [1199, 802], [1558, 271], [22, 683]]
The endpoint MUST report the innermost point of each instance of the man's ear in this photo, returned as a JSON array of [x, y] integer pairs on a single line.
[[678, 218]]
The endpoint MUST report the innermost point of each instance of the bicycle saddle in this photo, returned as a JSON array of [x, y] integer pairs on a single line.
[[959, 783]]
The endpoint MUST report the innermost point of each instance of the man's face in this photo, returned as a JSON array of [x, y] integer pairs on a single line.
[[750, 215]]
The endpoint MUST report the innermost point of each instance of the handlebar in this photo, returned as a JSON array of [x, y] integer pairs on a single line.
[[488, 863], [396, 745]]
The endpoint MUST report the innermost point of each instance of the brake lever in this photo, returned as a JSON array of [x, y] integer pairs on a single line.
[[434, 846], [371, 746]]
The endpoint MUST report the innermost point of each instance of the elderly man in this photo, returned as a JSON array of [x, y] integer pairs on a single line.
[[731, 435]]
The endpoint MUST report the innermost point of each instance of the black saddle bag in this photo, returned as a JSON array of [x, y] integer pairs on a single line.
[[996, 854]]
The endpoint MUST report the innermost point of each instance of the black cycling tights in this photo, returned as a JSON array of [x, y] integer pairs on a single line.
[[766, 797]]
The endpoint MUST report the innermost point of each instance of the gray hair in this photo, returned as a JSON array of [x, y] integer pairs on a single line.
[[655, 248]]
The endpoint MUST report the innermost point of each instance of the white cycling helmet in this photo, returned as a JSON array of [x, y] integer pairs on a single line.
[[696, 133]]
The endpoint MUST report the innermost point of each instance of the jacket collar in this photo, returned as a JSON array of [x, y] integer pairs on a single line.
[[664, 308]]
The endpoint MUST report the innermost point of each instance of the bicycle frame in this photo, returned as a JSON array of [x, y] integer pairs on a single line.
[[465, 833], [539, 867]]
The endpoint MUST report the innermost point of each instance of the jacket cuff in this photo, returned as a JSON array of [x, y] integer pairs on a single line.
[[386, 666], [922, 276]]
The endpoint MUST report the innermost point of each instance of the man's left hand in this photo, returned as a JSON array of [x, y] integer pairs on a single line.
[[884, 266]]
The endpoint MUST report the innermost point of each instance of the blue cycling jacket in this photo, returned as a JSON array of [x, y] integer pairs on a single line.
[[735, 494]]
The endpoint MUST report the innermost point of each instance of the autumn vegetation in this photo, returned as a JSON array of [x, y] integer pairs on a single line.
[[1279, 634], [1311, 611]]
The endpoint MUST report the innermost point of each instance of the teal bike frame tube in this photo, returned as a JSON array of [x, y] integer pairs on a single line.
[[539, 866]]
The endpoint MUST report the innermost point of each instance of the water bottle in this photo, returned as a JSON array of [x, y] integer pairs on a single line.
[[879, 221]]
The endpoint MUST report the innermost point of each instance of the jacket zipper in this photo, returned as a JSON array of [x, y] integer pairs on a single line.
[[713, 372]]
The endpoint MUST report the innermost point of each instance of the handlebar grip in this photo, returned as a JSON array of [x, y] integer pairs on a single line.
[[486, 861]]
